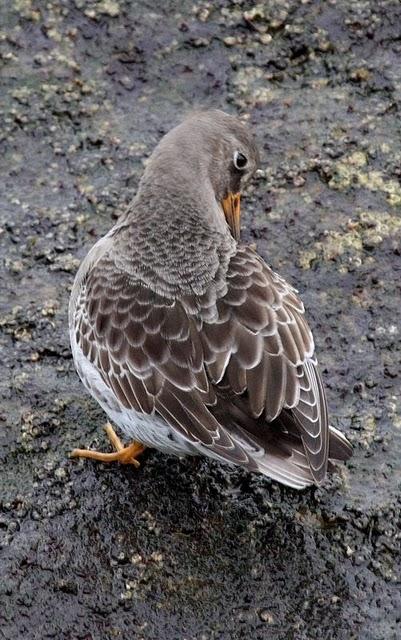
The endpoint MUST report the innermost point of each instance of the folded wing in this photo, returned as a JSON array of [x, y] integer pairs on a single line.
[[244, 345]]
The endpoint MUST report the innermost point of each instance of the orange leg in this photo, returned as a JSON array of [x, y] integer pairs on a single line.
[[125, 455]]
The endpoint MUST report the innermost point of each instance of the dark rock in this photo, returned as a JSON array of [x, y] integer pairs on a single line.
[[183, 548]]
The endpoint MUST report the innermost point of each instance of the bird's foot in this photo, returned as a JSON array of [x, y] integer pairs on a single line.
[[124, 455]]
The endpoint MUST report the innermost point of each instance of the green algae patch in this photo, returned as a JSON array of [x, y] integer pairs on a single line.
[[357, 237], [351, 172], [251, 83]]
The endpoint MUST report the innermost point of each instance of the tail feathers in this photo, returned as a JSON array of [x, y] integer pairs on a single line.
[[339, 447], [277, 449], [280, 458], [283, 457]]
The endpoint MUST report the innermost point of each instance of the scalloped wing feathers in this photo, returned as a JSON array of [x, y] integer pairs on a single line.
[[244, 341]]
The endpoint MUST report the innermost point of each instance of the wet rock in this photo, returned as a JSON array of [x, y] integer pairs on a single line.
[[183, 548]]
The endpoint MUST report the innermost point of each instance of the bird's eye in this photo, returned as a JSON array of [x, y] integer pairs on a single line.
[[240, 161]]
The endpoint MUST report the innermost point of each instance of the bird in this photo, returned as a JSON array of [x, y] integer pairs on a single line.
[[187, 339]]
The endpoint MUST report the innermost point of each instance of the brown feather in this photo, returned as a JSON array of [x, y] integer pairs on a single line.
[[223, 368]]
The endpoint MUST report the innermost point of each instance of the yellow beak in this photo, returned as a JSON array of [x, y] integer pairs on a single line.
[[232, 211]]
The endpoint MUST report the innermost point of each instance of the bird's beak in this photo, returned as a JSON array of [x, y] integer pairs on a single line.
[[232, 211]]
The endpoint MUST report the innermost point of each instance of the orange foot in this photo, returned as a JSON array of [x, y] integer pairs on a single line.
[[125, 455]]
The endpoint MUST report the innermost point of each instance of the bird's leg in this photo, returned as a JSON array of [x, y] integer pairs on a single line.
[[125, 455]]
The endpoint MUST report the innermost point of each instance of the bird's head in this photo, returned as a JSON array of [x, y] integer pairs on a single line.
[[215, 154]]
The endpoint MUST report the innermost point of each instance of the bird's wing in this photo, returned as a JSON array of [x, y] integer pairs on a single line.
[[148, 350], [178, 356], [261, 347]]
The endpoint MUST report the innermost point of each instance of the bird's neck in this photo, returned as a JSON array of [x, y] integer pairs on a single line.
[[175, 239]]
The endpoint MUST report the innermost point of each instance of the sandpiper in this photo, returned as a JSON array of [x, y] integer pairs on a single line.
[[186, 338]]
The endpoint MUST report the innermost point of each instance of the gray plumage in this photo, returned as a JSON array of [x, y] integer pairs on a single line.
[[188, 340]]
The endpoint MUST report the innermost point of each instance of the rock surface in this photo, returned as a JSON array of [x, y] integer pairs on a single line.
[[185, 549]]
